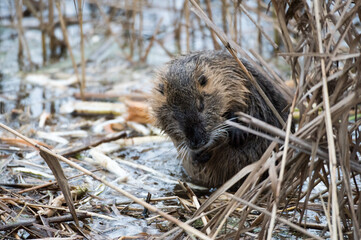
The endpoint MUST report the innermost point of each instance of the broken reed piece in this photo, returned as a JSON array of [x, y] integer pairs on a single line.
[[53, 163]]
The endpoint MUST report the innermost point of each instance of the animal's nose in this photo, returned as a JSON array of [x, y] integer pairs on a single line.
[[197, 138], [196, 143]]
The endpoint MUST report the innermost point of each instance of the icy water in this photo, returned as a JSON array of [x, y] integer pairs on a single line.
[[23, 112], [23, 101], [25, 98]]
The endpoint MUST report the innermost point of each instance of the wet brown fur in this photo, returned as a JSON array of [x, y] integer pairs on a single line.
[[193, 96]]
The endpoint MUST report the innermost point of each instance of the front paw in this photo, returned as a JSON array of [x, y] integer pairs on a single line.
[[236, 136], [201, 157]]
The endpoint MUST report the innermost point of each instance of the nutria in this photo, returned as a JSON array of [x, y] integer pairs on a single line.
[[194, 95]]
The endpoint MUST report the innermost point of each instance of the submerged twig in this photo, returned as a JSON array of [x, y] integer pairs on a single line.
[[60, 219]]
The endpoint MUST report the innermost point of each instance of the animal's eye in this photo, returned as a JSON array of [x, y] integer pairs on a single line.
[[200, 104], [160, 88], [202, 80]]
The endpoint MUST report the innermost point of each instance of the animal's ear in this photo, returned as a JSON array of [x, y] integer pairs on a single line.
[[202, 80], [160, 88]]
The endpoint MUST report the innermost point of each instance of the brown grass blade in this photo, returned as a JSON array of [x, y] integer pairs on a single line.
[[335, 227], [55, 167]]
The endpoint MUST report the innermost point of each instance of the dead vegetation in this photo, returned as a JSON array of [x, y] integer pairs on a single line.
[[311, 188]]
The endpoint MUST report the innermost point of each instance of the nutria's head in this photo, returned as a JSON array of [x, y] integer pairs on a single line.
[[194, 95]]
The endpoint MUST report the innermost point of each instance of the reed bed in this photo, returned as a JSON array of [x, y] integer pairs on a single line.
[[321, 43], [307, 183]]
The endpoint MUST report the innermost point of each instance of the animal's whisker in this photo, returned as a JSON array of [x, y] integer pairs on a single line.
[[182, 150]]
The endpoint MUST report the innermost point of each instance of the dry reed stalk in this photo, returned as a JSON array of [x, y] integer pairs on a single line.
[[257, 23], [107, 23], [132, 36], [203, 214], [187, 24], [213, 35], [177, 28], [152, 39], [31, 8], [282, 172], [335, 224], [224, 16], [80, 18], [161, 44], [292, 225], [195, 201], [201, 26], [50, 31], [259, 33], [235, 21], [268, 70], [177, 35], [66, 39], [20, 54], [20, 29], [283, 25], [43, 32], [46, 185], [140, 29]]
